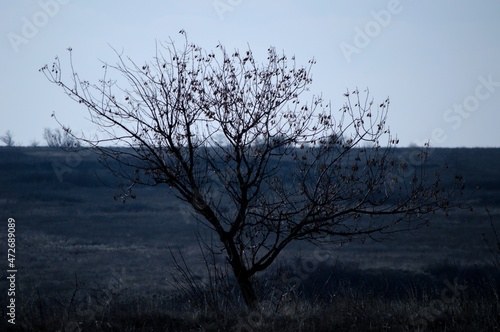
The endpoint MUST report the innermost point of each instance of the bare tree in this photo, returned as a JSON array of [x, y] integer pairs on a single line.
[[8, 138], [285, 170], [56, 138]]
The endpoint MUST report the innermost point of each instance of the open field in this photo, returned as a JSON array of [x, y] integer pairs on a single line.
[[89, 262]]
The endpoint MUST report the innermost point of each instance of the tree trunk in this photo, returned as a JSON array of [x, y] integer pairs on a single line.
[[242, 276], [247, 291]]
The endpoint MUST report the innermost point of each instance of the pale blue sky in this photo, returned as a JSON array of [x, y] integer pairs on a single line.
[[438, 61]]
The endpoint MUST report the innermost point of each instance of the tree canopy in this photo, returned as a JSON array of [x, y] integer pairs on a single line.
[[260, 166]]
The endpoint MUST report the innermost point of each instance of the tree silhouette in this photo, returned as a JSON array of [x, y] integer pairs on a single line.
[[8, 138], [56, 138], [286, 170]]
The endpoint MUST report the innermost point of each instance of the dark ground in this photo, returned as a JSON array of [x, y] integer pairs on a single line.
[[73, 240]]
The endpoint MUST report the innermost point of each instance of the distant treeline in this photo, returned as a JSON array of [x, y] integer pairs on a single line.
[[31, 167]]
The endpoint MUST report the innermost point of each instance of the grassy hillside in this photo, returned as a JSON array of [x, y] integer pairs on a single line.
[[84, 255]]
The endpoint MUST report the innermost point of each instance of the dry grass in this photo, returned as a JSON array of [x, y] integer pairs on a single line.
[[469, 301], [120, 254]]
